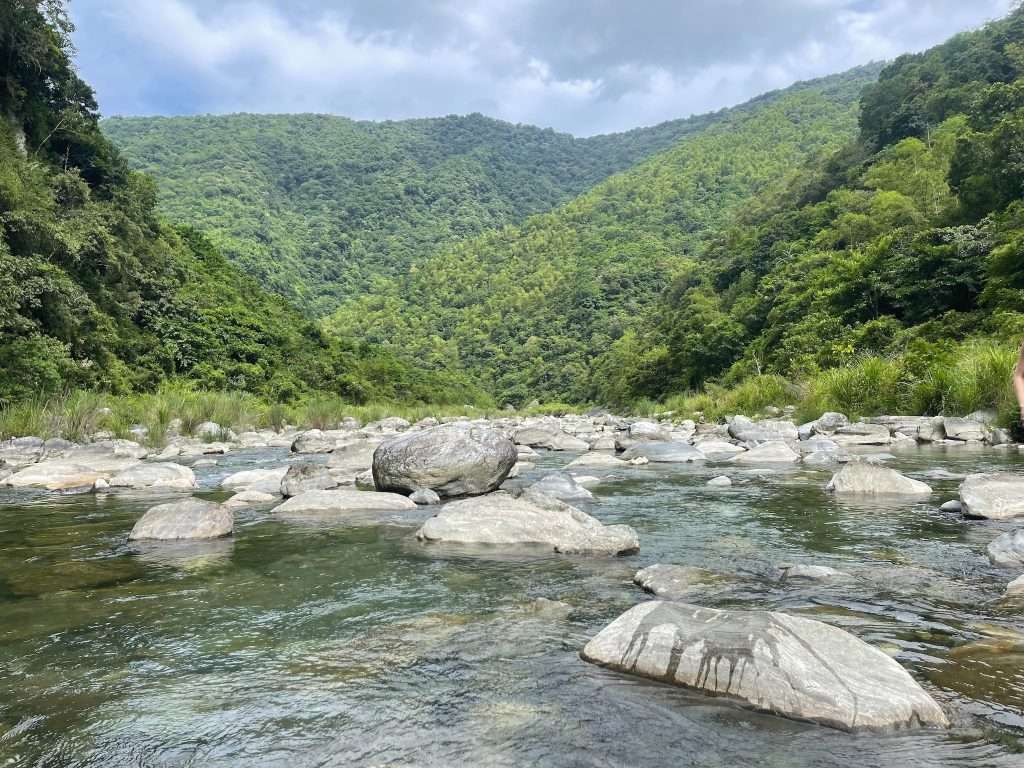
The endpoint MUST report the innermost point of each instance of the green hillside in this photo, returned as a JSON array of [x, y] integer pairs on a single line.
[[319, 207], [528, 309], [98, 291]]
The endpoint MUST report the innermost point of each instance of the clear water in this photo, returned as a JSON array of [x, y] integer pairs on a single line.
[[295, 645]]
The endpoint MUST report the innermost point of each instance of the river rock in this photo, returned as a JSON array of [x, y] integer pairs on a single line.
[[1015, 587], [746, 431], [718, 449], [773, 452], [351, 458], [389, 425], [964, 429], [932, 430], [598, 461], [424, 497], [315, 441], [997, 496], [719, 482], [1007, 550], [674, 452], [364, 481], [773, 662], [208, 429], [304, 477], [954, 505], [673, 582], [602, 443], [187, 519], [829, 422], [866, 479], [812, 572], [19, 451], [263, 480], [560, 485], [248, 498], [862, 433], [452, 460], [649, 430], [531, 520], [341, 501], [162, 475], [55, 475]]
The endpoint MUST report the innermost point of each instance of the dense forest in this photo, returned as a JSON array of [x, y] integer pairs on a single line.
[[528, 309], [97, 290], [319, 208]]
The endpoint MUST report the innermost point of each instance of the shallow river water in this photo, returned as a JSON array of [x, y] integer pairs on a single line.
[[328, 645]]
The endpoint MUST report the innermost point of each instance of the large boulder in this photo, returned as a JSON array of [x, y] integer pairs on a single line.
[[773, 662], [353, 457], [675, 582], [531, 520], [664, 453], [1008, 550], [551, 438], [718, 449], [55, 475], [964, 429], [866, 479], [595, 460], [316, 441], [829, 422], [561, 485], [774, 452], [187, 519], [163, 475], [263, 480], [649, 430], [862, 433], [997, 496], [753, 432], [306, 476], [452, 460]]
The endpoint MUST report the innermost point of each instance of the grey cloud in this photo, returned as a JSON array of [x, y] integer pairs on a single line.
[[584, 66]]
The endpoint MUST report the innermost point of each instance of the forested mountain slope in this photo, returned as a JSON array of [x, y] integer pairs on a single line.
[[98, 291], [528, 309], [905, 246], [319, 207]]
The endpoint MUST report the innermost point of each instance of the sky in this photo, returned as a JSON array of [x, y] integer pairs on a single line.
[[580, 66]]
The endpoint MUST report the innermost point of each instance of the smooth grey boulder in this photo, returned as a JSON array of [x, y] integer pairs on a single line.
[[452, 460], [602, 443], [820, 445], [263, 480], [998, 496], [55, 475], [674, 452], [561, 485], [773, 662], [532, 520], [932, 430], [812, 572], [821, 459], [208, 429], [391, 424], [964, 429], [1007, 550], [364, 481], [772, 452], [753, 432], [829, 422], [649, 430], [718, 449], [163, 475], [186, 519], [674, 582], [867, 479], [19, 451], [719, 482], [1015, 587], [424, 497], [552, 438], [954, 505], [248, 498], [862, 433], [315, 441], [304, 477], [353, 457]]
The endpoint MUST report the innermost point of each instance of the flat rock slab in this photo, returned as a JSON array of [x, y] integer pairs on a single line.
[[188, 519], [775, 452], [451, 460], [561, 485], [675, 452], [341, 502], [55, 475], [773, 662], [263, 480], [997, 496], [595, 460], [675, 582], [859, 478], [533, 519]]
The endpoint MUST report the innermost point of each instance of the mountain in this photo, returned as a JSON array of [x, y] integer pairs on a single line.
[[319, 208], [528, 309], [903, 252], [97, 290]]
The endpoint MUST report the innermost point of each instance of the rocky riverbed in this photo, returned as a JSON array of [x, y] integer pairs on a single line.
[[394, 593]]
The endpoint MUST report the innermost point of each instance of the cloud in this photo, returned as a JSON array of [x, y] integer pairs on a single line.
[[584, 66]]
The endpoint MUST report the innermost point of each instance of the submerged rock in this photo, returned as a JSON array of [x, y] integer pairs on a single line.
[[247, 498], [597, 461], [997, 496], [1008, 550], [673, 582], [866, 479], [187, 519], [719, 482], [341, 501], [773, 662], [452, 460], [530, 520], [813, 572]]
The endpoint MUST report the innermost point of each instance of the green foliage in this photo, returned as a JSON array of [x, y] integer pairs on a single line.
[[532, 310], [319, 208]]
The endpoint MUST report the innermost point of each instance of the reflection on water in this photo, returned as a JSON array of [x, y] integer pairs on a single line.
[[312, 645]]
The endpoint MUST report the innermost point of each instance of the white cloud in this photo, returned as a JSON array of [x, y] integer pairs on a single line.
[[585, 67]]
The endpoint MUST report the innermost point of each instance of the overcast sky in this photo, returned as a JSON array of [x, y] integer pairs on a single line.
[[583, 66]]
